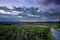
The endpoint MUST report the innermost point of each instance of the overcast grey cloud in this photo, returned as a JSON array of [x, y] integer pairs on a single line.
[[50, 6], [48, 10], [57, 2]]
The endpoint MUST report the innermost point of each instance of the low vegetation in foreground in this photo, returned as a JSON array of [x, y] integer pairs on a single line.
[[25, 32], [57, 27]]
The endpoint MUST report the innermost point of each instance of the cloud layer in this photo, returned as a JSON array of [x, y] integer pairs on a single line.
[[48, 10], [57, 2]]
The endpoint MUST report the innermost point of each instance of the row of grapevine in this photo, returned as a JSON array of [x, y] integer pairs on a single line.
[[25, 32]]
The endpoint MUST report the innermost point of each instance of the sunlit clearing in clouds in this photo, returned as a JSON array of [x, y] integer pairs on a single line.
[[32, 20], [2, 11]]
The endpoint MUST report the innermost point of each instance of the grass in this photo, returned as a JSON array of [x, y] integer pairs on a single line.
[[57, 27], [25, 32]]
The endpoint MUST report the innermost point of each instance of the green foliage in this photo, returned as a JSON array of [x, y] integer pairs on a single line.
[[57, 27], [25, 32]]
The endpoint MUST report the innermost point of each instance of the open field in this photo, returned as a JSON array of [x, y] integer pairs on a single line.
[[25, 32]]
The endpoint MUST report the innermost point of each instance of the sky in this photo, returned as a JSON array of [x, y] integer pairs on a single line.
[[18, 3], [44, 5]]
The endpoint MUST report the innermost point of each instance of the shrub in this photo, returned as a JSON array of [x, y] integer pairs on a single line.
[[25, 32]]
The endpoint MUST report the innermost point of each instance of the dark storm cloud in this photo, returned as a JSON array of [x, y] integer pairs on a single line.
[[57, 1], [48, 1], [51, 5], [8, 17]]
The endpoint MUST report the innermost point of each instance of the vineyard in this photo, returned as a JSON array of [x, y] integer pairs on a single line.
[[25, 32]]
